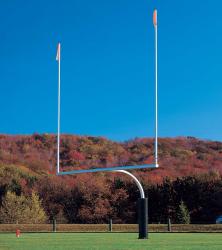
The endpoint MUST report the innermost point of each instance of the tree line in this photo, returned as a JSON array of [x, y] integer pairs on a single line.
[[95, 198], [187, 184]]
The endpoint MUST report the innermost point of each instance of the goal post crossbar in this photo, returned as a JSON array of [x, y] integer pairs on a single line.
[[81, 171]]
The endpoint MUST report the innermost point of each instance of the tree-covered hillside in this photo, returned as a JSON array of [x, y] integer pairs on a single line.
[[189, 174], [178, 156]]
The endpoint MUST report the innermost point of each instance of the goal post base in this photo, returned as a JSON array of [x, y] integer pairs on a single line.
[[143, 218]]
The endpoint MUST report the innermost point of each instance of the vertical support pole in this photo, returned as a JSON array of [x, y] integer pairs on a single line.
[[142, 208], [169, 225], [143, 218], [156, 87], [59, 88], [110, 225], [54, 225]]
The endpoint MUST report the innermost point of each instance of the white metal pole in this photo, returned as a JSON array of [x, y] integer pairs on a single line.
[[142, 194], [156, 93], [58, 132]]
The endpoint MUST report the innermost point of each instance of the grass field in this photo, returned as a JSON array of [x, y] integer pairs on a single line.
[[68, 241]]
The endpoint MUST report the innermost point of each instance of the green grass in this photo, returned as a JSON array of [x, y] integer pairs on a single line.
[[110, 241]]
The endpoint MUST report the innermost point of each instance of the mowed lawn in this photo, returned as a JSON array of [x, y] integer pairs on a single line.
[[66, 241]]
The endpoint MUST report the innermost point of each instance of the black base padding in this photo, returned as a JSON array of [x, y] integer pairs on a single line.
[[143, 218]]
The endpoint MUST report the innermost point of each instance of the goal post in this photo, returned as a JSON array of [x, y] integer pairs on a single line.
[[143, 201], [93, 170]]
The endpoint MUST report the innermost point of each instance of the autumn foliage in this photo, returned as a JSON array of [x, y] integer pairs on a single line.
[[190, 172]]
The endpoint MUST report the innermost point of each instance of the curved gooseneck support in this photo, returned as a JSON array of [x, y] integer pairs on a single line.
[[142, 195], [142, 208]]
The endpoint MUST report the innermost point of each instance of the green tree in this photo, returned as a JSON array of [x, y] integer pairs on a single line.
[[182, 214], [20, 209]]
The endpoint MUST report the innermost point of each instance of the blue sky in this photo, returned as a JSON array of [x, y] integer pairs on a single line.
[[107, 67]]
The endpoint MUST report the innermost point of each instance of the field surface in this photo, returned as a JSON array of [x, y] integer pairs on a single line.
[[68, 241]]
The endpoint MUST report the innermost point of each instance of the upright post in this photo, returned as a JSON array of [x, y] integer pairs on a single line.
[[156, 88], [110, 225], [58, 132], [169, 225], [54, 225]]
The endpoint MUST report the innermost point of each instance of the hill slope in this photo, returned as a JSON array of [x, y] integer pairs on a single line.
[[178, 156]]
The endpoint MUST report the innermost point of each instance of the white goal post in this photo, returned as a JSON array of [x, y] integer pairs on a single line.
[[117, 168]]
